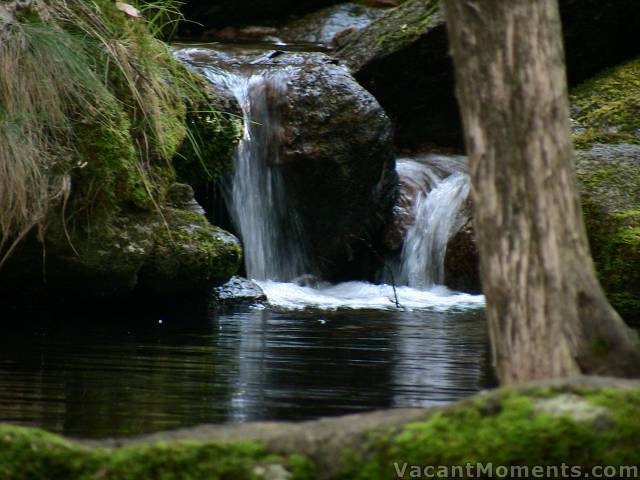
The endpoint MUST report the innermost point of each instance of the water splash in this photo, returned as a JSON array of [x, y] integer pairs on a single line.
[[274, 243], [440, 187]]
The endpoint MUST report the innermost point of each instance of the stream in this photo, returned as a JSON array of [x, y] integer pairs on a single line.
[[314, 349], [102, 375]]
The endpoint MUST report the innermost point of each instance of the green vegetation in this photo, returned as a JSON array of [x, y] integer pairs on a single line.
[[583, 428], [610, 187], [511, 427], [93, 110], [190, 253], [30, 454], [393, 39], [606, 109]]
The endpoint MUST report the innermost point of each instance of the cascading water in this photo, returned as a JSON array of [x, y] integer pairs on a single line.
[[273, 239], [439, 188], [274, 245]]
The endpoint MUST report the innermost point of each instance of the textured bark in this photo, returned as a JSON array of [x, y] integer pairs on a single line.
[[548, 316]]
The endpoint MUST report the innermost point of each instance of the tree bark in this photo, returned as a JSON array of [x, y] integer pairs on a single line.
[[548, 316]]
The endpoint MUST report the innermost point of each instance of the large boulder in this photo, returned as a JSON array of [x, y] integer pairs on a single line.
[[610, 180], [333, 149], [402, 58], [170, 251]]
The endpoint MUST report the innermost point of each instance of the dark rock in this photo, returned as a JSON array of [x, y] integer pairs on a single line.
[[324, 25], [402, 58], [223, 13], [334, 152], [235, 34], [336, 158], [180, 196], [144, 252], [238, 291], [461, 262]]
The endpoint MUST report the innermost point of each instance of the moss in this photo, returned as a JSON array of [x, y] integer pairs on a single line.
[[207, 154], [408, 33], [610, 188], [190, 253], [510, 429], [31, 454], [606, 109]]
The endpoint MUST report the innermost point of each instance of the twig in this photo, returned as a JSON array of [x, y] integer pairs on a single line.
[[384, 264]]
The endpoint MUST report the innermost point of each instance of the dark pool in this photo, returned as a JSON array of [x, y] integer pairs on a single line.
[[118, 374]]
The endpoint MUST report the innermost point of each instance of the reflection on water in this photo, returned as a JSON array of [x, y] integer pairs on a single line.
[[104, 377]]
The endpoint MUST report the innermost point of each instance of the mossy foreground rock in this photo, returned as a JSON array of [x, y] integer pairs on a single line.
[[582, 423]]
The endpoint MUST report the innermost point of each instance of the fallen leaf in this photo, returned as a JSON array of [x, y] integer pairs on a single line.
[[128, 9]]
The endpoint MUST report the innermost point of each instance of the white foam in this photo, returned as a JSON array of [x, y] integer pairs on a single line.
[[366, 296]]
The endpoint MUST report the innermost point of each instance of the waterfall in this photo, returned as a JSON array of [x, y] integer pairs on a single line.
[[439, 187], [274, 244]]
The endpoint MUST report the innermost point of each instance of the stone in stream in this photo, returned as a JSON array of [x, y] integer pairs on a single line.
[[238, 291], [332, 147]]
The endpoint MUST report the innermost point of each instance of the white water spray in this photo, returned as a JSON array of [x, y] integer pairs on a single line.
[[440, 187], [274, 244]]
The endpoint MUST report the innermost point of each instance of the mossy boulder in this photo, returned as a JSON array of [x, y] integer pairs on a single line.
[[606, 108], [583, 422], [189, 254], [133, 115], [403, 59], [610, 181]]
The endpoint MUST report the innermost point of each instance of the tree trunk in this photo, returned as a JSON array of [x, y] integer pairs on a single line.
[[548, 316]]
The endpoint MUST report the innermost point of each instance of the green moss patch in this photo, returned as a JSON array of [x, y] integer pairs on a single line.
[[30, 454], [610, 187], [606, 109], [512, 429]]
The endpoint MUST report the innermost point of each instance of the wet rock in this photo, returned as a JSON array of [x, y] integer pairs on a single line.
[[323, 26], [180, 196], [336, 158], [135, 252], [402, 58], [333, 148], [461, 262], [239, 291], [234, 34]]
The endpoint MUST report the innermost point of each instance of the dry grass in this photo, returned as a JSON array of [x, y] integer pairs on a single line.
[[56, 69], [37, 98]]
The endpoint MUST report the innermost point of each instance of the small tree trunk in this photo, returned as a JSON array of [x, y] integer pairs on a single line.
[[548, 316]]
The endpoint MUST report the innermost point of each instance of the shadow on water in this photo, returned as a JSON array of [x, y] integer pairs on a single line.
[[99, 375]]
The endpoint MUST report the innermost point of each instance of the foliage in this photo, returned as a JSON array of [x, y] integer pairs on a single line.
[[92, 111]]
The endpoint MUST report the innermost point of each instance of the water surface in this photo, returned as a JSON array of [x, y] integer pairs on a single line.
[[121, 374]]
